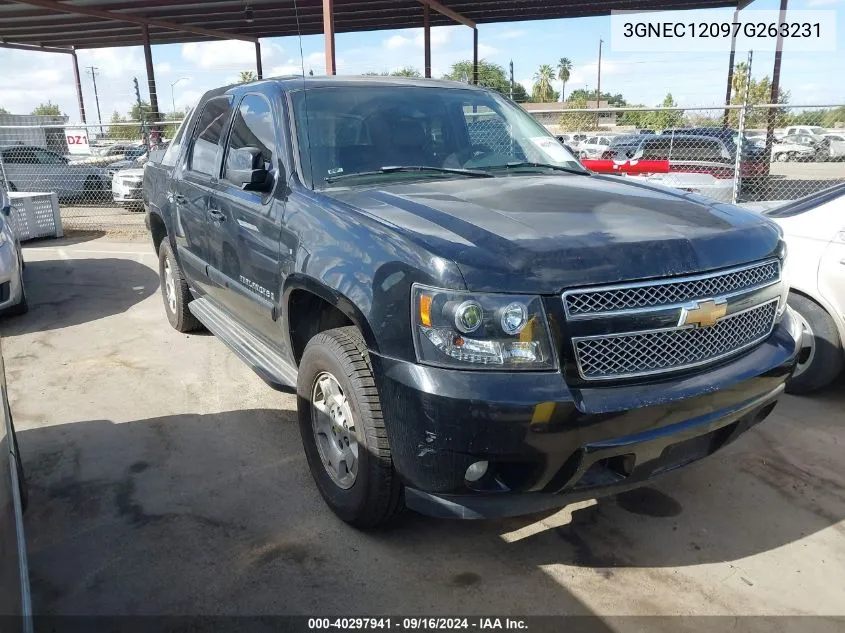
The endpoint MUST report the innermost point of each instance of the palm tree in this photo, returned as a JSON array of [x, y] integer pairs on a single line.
[[542, 90], [246, 76], [564, 68]]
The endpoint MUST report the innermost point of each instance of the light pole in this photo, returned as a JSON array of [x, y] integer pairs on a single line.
[[172, 95]]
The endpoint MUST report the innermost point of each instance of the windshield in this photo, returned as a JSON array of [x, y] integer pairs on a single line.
[[362, 129]]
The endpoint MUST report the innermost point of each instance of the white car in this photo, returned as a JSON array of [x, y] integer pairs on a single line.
[[12, 293], [814, 231], [794, 147], [807, 130], [126, 186], [594, 146]]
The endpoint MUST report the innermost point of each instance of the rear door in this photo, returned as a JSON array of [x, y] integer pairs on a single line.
[[244, 225], [193, 186]]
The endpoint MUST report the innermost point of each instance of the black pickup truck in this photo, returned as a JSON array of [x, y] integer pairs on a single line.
[[473, 323]]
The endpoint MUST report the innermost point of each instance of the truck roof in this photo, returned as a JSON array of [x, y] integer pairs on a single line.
[[292, 82]]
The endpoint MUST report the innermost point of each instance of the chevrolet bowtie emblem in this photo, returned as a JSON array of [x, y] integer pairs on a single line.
[[703, 313]]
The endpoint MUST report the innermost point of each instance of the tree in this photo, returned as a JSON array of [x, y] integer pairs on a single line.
[[142, 111], [564, 68], [614, 100], [246, 76], [406, 71], [759, 92], [662, 119], [47, 109], [543, 92], [577, 121], [3, 110], [489, 75], [119, 131]]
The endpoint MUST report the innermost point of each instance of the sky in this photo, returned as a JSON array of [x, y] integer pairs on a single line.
[[184, 71]]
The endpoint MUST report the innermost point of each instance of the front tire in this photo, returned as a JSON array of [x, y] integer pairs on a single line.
[[820, 358], [174, 291], [342, 429]]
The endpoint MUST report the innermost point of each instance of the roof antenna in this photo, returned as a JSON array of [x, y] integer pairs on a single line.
[[304, 94]]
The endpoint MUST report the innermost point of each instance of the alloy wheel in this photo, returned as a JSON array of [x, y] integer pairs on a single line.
[[334, 430]]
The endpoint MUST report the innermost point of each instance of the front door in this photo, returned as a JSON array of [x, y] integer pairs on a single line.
[[245, 224], [192, 189]]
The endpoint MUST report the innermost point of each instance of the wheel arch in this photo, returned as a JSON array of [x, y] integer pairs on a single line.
[[824, 305], [298, 285]]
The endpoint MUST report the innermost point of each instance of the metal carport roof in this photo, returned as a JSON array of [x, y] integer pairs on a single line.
[[83, 23]]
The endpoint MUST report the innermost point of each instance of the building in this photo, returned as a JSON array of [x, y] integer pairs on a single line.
[[549, 114], [30, 129]]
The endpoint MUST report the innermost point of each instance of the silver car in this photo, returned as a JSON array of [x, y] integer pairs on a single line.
[[12, 293], [30, 168]]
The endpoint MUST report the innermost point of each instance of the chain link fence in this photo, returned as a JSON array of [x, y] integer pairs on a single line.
[[760, 154], [94, 171]]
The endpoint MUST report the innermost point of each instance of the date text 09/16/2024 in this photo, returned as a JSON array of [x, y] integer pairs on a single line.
[[417, 623]]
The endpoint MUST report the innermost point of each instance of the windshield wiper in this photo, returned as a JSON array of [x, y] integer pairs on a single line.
[[518, 164], [390, 169]]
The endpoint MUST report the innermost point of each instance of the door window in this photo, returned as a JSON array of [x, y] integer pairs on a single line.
[[253, 126], [212, 123], [48, 158]]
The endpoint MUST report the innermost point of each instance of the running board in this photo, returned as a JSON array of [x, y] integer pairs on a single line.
[[262, 359]]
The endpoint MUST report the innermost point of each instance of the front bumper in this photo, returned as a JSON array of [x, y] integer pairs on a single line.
[[127, 192], [548, 445]]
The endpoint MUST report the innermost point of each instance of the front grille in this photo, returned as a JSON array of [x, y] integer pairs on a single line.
[[640, 295], [631, 354]]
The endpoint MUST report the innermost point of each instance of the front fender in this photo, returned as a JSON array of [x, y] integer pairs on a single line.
[[363, 267]]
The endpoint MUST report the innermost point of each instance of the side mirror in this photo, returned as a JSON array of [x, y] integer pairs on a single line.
[[245, 169], [7, 210]]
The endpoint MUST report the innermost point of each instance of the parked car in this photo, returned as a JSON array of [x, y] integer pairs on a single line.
[[12, 292], [126, 187], [470, 333], [814, 230], [104, 156], [132, 159], [15, 603], [572, 139], [30, 168], [697, 164], [594, 146], [798, 147], [805, 130]]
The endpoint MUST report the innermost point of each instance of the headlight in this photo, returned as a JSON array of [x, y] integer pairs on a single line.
[[784, 278], [480, 331]]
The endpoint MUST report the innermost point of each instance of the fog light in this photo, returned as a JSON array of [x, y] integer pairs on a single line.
[[476, 471]]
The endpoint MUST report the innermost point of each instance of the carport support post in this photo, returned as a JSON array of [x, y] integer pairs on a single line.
[[258, 69], [151, 79], [79, 99], [475, 55], [427, 38], [731, 61], [328, 34], [773, 97]]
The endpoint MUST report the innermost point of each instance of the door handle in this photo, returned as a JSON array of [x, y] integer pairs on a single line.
[[217, 215]]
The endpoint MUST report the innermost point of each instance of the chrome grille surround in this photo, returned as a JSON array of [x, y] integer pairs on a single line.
[[645, 296], [648, 352]]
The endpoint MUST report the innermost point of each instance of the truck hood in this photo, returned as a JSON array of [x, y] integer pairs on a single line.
[[541, 234]]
